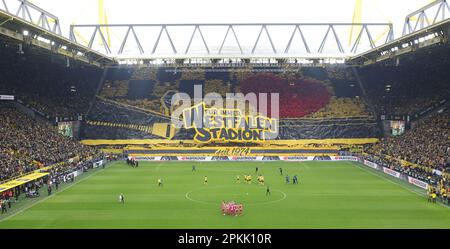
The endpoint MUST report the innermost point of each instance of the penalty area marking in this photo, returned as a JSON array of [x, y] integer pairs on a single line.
[[187, 195]]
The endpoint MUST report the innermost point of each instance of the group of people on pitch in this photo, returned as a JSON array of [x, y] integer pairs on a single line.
[[434, 192], [132, 162]]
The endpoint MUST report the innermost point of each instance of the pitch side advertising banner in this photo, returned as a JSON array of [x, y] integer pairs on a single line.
[[371, 164], [246, 158], [417, 182], [344, 158], [391, 172], [437, 172], [148, 158], [194, 158], [296, 158], [77, 173], [6, 97]]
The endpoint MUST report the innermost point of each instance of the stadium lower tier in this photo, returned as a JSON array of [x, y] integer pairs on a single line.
[[161, 148], [245, 151]]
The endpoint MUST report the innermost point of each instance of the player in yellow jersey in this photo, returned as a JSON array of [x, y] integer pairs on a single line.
[[261, 180], [205, 180], [238, 179]]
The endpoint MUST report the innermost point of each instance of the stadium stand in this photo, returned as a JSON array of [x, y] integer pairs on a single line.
[[300, 95], [411, 86], [311, 99], [29, 144], [419, 92], [45, 83], [316, 103], [427, 144]]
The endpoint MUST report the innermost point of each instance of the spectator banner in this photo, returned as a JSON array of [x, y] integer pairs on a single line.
[[97, 164], [371, 164], [391, 172], [437, 172], [417, 182], [21, 180], [246, 128], [6, 97], [235, 151], [242, 158]]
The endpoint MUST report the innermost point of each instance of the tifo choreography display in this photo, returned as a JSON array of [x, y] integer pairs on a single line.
[[340, 137]]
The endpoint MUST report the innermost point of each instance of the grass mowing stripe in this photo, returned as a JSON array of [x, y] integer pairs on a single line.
[[64, 188], [330, 195]]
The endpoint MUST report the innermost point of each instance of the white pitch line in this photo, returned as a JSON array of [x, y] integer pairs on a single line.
[[396, 183], [48, 197], [306, 165]]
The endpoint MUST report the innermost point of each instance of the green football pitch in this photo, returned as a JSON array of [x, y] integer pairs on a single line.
[[330, 195]]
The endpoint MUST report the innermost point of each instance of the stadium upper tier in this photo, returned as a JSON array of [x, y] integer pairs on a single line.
[[46, 83], [314, 102], [304, 93], [411, 85], [50, 86]]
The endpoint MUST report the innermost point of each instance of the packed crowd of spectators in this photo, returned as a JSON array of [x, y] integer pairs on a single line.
[[427, 144], [426, 147], [28, 144]]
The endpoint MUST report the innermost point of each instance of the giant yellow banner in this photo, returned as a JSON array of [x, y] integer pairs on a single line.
[[21, 180]]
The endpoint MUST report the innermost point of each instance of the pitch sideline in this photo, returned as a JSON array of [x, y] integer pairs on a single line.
[[50, 196], [396, 183]]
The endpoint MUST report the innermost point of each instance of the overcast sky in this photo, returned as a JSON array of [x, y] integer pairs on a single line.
[[225, 11]]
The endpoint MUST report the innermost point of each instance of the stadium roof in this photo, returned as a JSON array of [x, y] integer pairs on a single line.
[[356, 28]]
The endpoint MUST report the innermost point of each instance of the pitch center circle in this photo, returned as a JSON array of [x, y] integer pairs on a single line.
[[240, 193]]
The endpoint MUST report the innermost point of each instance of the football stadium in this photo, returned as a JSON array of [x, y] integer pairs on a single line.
[[113, 119]]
